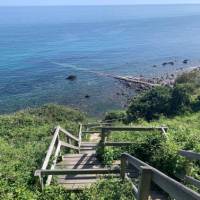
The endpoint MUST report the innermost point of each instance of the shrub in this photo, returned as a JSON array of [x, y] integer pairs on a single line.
[[161, 101], [115, 116], [110, 189], [180, 99], [150, 104]]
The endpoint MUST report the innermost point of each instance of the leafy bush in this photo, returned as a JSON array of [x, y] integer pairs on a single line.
[[161, 101], [110, 189], [150, 104], [115, 116], [192, 77], [180, 99]]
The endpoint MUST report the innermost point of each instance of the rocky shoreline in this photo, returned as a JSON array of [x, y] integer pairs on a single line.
[[142, 83]]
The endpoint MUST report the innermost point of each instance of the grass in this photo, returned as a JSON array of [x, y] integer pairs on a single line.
[[153, 148], [24, 139]]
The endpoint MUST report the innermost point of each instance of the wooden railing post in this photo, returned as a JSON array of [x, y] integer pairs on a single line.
[[103, 140], [145, 183], [189, 166], [41, 181], [80, 137], [123, 167]]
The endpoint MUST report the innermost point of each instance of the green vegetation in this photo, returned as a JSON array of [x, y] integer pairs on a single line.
[[163, 100], [24, 138], [178, 109]]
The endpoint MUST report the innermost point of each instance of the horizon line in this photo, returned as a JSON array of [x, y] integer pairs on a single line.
[[43, 5]]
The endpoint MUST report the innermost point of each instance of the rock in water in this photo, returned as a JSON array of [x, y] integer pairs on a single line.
[[71, 77], [185, 61], [87, 96]]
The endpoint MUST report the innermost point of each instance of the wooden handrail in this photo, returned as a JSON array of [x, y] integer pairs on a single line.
[[48, 182], [50, 150], [80, 136], [105, 130], [129, 128], [173, 188], [78, 171], [69, 145], [190, 155], [69, 135], [60, 143]]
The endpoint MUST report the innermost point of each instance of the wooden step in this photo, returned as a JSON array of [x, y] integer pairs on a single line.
[[88, 147], [89, 144], [82, 181], [88, 176], [78, 155]]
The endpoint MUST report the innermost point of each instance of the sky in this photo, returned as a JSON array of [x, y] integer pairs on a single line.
[[91, 2]]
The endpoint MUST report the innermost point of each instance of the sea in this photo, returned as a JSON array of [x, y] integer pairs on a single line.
[[41, 46]]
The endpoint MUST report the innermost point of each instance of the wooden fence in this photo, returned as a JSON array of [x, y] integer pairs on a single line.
[[54, 149], [149, 175], [106, 130], [191, 156]]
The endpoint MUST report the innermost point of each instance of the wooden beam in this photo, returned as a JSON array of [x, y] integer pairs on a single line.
[[48, 182], [80, 136], [69, 145], [96, 124], [78, 171], [135, 162], [91, 132], [129, 128], [192, 181], [123, 167], [190, 154], [118, 144], [69, 134], [50, 150], [164, 132], [175, 189], [145, 183]]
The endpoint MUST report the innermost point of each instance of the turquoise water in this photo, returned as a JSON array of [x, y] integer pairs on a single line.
[[41, 46]]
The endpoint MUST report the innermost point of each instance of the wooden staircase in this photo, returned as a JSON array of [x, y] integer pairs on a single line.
[[79, 169], [85, 160]]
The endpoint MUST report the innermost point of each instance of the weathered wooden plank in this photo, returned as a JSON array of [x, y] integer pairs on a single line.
[[118, 144], [91, 132], [80, 166], [69, 134], [90, 144], [84, 158], [75, 187], [128, 128], [192, 181], [164, 132], [69, 145], [173, 188], [190, 154], [135, 161], [78, 155], [145, 183], [88, 176], [78, 171], [169, 185], [88, 148], [76, 181], [48, 182], [80, 136], [79, 162], [96, 124], [50, 150], [123, 167]]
